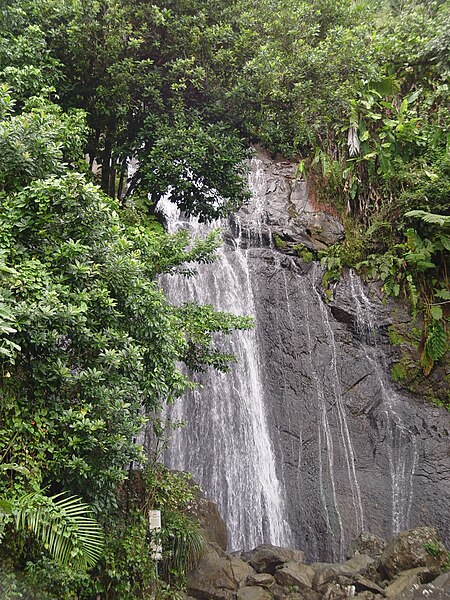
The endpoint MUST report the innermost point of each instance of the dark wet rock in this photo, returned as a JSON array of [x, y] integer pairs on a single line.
[[266, 558], [420, 547]]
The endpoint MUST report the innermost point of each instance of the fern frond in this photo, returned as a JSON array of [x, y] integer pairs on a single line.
[[436, 342], [427, 217], [63, 524]]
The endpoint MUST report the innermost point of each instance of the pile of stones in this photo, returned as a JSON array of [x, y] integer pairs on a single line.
[[411, 566]]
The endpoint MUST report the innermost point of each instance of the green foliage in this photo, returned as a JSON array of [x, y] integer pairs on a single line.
[[87, 341], [433, 549], [63, 526], [399, 371], [185, 544], [199, 322], [201, 165], [168, 489]]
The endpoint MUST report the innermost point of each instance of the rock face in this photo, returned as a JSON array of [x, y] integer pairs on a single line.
[[412, 574], [307, 442], [367, 543], [207, 514], [290, 215]]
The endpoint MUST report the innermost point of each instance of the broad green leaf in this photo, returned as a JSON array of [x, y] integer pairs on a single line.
[[436, 312]]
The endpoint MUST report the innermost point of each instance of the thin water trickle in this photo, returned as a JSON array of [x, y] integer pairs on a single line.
[[400, 442]]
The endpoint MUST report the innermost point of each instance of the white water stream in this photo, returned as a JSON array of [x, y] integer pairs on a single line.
[[226, 443]]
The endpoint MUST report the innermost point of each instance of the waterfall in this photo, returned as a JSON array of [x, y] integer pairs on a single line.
[[304, 442], [400, 442], [226, 442]]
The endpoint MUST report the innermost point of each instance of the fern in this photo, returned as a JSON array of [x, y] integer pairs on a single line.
[[427, 217], [413, 294], [63, 525], [436, 342]]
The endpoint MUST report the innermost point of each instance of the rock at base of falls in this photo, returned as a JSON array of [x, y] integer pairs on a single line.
[[221, 576], [419, 547]]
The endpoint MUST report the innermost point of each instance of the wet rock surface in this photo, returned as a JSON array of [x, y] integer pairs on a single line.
[[419, 547], [294, 580], [289, 214], [316, 443]]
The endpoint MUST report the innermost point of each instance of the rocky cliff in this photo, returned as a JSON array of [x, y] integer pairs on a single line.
[[307, 442]]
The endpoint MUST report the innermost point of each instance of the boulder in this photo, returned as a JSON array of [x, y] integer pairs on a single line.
[[213, 579], [326, 572], [310, 595], [241, 570], [405, 581], [334, 591], [253, 593], [266, 558], [207, 514], [278, 592], [366, 595], [428, 591], [362, 584], [261, 579], [420, 547], [443, 582], [295, 574], [368, 544]]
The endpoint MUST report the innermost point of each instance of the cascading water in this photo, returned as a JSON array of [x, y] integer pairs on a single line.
[[226, 443], [400, 442], [303, 441]]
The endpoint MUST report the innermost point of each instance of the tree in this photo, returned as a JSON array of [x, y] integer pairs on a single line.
[[88, 339]]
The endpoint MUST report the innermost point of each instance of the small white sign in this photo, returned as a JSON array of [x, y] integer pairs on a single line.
[[154, 521]]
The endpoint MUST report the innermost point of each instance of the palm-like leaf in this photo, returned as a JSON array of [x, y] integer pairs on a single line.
[[427, 217], [64, 525]]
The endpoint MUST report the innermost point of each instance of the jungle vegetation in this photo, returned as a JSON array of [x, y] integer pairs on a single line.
[[356, 91]]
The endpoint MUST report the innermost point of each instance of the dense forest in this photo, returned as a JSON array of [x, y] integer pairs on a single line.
[[356, 92]]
